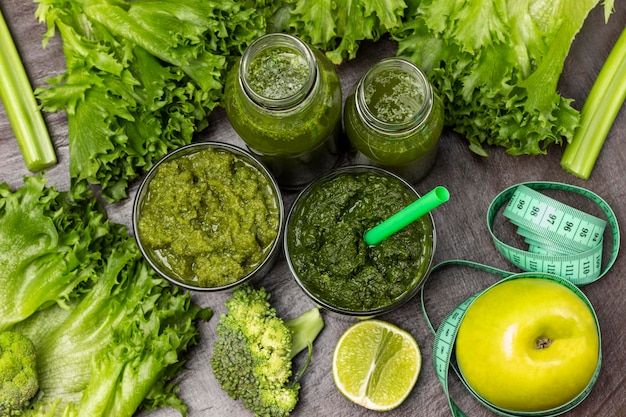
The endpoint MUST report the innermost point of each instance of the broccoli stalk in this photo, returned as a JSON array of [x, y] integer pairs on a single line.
[[304, 329], [18, 373], [253, 352]]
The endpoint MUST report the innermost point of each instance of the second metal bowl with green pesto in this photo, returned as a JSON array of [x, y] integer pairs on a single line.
[[328, 256]]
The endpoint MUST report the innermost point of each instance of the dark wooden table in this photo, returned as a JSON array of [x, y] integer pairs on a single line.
[[461, 234]]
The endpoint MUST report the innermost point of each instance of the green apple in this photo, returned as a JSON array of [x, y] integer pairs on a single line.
[[528, 344]]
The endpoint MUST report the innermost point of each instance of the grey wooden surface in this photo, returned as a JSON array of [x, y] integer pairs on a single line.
[[461, 234]]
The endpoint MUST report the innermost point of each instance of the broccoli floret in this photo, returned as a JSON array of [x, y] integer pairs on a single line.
[[253, 352], [18, 373]]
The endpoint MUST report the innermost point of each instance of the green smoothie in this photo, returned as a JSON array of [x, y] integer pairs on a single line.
[[329, 255], [289, 131], [278, 73], [394, 120], [284, 100]]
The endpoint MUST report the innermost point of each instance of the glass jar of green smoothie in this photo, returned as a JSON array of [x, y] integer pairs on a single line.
[[394, 119], [284, 100]]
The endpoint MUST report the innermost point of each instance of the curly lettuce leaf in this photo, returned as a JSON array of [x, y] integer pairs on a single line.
[[49, 248], [115, 350], [338, 26], [496, 65], [141, 79], [110, 335]]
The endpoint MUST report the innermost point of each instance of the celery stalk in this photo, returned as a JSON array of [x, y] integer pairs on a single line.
[[22, 110], [598, 113]]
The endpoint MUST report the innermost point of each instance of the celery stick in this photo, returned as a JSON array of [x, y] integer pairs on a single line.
[[19, 102], [598, 113]]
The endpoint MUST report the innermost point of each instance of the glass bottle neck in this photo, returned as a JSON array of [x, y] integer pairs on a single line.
[[278, 71], [394, 97]]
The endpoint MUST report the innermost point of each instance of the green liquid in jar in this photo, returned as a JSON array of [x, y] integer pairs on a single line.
[[292, 131], [394, 97], [394, 119], [277, 73]]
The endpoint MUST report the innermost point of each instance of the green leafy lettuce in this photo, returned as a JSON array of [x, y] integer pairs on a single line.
[[338, 26], [109, 334], [140, 79], [496, 65]]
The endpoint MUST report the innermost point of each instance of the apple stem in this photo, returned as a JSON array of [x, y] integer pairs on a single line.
[[542, 342]]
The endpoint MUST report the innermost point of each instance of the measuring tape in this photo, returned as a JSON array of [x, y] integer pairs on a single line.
[[562, 240], [564, 245]]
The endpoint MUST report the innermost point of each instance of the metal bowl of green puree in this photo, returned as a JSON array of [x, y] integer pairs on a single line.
[[208, 217], [328, 256]]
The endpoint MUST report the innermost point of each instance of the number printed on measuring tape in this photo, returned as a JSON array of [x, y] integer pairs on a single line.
[[534, 211]]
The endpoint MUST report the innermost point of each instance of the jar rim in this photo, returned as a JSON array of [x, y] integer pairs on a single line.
[[415, 121], [274, 40]]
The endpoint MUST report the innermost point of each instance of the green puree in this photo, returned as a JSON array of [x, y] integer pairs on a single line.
[[333, 261], [211, 217]]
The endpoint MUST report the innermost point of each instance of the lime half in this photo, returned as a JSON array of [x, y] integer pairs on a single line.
[[376, 364]]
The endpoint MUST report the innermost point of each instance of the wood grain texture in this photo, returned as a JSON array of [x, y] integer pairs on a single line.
[[461, 234]]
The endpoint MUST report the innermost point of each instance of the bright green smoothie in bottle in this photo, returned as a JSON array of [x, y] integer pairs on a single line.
[[284, 100], [393, 119]]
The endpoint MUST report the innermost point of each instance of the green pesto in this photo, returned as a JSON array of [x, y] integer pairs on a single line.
[[210, 216], [327, 249], [277, 73]]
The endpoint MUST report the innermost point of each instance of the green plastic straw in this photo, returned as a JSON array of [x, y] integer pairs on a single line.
[[407, 215]]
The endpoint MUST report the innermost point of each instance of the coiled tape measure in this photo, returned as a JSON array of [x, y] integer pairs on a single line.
[[564, 243], [562, 240]]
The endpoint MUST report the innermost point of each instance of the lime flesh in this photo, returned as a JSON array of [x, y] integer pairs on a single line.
[[376, 364]]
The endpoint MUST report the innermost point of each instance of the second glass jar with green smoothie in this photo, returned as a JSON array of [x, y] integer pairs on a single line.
[[284, 100], [394, 119]]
